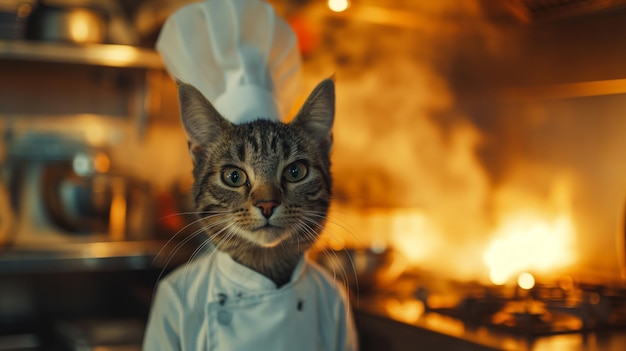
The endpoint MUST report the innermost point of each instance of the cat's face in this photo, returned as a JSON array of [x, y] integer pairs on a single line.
[[261, 183]]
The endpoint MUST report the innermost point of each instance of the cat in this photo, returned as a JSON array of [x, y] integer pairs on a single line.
[[262, 191], [262, 188]]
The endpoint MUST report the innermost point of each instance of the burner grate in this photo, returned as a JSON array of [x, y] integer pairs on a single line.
[[543, 310]]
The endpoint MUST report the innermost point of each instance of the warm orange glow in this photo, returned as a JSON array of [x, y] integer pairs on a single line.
[[101, 162], [95, 133], [81, 26], [119, 54], [79, 29], [529, 241], [533, 234], [566, 283], [338, 5], [413, 235], [407, 311], [526, 281], [117, 217]]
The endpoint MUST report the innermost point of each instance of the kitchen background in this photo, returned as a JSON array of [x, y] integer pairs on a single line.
[[479, 156]]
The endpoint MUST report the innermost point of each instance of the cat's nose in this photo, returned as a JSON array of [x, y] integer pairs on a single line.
[[267, 207]]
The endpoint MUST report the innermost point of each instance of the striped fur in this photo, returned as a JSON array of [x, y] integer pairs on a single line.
[[267, 158]]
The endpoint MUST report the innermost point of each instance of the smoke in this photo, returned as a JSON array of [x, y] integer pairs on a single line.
[[422, 166], [405, 160]]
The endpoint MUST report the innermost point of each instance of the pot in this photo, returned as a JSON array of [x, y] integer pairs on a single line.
[[95, 203]]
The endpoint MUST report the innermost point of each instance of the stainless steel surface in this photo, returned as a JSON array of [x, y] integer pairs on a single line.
[[94, 54]]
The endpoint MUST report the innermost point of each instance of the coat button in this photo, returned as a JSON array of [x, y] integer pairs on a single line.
[[224, 317]]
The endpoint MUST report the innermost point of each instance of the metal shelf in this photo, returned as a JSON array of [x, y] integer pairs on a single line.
[[93, 54], [94, 256]]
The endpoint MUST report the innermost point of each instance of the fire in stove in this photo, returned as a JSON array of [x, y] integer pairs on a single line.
[[528, 243], [544, 309], [532, 240]]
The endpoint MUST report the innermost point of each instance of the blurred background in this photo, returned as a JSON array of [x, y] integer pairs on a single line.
[[479, 168]]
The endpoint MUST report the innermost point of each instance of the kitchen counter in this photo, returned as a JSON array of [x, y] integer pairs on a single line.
[[67, 296], [89, 256]]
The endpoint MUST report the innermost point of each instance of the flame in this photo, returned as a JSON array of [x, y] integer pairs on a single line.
[[527, 241], [526, 281], [407, 311], [338, 5], [413, 235], [536, 234]]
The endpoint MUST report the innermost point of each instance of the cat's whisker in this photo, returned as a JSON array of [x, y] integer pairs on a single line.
[[329, 253], [172, 254], [345, 227], [301, 228], [231, 235], [179, 245], [204, 229], [350, 199], [344, 273], [225, 237], [192, 213], [356, 279], [321, 227], [201, 247], [188, 238], [178, 232], [331, 220]]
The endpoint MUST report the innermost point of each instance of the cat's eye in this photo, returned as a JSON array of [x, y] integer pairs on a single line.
[[234, 176], [295, 172]]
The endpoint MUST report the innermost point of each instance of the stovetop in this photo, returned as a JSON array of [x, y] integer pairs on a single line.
[[546, 309], [564, 315]]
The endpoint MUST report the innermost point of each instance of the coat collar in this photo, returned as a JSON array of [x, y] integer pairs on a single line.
[[249, 279]]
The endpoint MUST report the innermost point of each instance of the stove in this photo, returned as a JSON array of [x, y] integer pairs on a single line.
[[564, 315], [546, 309]]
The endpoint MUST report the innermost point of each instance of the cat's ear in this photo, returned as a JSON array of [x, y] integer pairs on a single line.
[[201, 121], [318, 113]]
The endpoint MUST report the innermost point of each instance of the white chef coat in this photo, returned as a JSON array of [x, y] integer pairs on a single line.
[[215, 303]]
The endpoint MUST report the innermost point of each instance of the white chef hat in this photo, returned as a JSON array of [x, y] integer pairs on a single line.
[[239, 53]]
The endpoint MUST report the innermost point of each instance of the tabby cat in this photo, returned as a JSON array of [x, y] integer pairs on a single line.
[[262, 188]]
